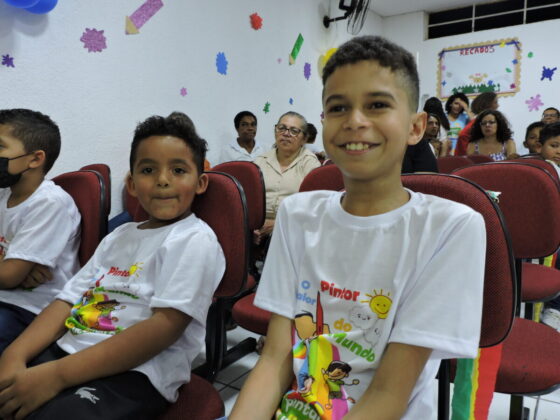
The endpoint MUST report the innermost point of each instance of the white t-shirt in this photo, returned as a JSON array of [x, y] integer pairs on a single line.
[[44, 229], [354, 284], [135, 270], [233, 151]]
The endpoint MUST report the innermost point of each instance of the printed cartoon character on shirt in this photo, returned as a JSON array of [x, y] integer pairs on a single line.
[[94, 312], [334, 375]]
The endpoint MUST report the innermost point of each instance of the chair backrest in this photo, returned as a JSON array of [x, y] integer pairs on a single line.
[[224, 208], [250, 177], [105, 173], [499, 275], [529, 200], [87, 188], [327, 177], [448, 164], [480, 158], [541, 163]]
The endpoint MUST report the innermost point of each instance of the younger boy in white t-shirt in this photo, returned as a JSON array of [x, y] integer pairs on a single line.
[[369, 288], [39, 222], [129, 324]]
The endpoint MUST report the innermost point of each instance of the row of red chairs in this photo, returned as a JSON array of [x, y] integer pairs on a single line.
[[525, 368]]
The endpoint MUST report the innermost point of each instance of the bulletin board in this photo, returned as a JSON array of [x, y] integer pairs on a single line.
[[493, 66]]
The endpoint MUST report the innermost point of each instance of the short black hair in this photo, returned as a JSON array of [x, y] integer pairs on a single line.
[[433, 106], [549, 131], [452, 98], [483, 102], [237, 119], [36, 131], [311, 133], [503, 132], [177, 125], [548, 109], [386, 53], [536, 124]]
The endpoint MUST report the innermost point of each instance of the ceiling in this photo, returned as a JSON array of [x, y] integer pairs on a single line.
[[396, 7]]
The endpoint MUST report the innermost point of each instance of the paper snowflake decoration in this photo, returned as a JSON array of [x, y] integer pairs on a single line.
[[8, 61], [94, 40], [183, 92], [307, 70], [256, 21], [221, 63], [266, 108], [547, 73], [534, 102], [279, 60], [291, 101]]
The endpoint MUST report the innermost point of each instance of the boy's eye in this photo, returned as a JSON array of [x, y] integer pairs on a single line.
[[336, 108], [378, 105], [146, 171], [179, 171]]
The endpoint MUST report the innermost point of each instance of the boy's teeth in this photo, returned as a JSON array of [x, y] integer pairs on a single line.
[[357, 146]]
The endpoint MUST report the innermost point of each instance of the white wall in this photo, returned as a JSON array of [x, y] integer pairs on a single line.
[[98, 98], [408, 31]]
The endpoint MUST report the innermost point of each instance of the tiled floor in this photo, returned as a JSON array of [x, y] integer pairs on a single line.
[[231, 379]]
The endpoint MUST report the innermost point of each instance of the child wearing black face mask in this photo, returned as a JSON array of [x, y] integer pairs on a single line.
[[39, 222]]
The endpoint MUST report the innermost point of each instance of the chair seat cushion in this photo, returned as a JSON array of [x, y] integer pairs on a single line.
[[530, 359], [539, 283], [248, 316], [197, 400]]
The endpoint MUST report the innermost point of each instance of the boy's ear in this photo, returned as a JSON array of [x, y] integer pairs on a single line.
[[38, 160], [202, 184], [417, 127], [130, 187]]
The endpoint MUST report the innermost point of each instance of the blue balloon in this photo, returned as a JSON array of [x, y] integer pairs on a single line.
[[22, 3], [42, 6]]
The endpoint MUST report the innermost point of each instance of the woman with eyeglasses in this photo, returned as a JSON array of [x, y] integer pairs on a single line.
[[491, 135], [285, 166]]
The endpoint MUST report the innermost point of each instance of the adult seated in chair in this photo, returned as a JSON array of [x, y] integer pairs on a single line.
[[244, 147], [285, 166]]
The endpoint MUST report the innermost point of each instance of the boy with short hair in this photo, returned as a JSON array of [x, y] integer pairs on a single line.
[[39, 222], [132, 320], [376, 265], [532, 135]]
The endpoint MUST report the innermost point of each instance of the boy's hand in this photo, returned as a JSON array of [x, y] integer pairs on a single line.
[[28, 390], [9, 367], [37, 276]]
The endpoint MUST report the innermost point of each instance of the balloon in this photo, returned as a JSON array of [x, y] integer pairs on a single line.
[[22, 3], [42, 6]]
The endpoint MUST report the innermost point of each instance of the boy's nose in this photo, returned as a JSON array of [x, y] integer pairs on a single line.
[[163, 180], [356, 119]]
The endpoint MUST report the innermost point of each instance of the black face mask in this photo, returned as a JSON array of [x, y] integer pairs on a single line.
[[7, 179]]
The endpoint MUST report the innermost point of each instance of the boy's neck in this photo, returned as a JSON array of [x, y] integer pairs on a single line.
[[25, 187], [374, 198]]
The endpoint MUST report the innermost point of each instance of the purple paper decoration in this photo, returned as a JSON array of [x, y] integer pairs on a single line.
[[94, 40]]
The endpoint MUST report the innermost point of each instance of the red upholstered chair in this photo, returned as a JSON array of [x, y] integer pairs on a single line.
[[530, 202], [499, 276], [105, 173], [88, 191], [448, 164], [541, 163], [251, 179], [327, 177], [197, 400], [480, 158]]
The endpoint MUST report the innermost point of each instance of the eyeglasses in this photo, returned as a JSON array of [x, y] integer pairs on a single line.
[[554, 115], [483, 123], [281, 128]]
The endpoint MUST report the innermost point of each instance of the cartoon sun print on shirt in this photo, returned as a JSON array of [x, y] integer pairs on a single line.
[[379, 303], [135, 269]]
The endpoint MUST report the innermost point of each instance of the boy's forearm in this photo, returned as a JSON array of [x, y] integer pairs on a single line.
[[271, 377], [45, 329], [125, 350], [387, 396], [13, 272]]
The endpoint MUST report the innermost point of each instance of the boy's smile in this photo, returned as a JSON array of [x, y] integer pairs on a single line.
[[165, 179], [368, 121]]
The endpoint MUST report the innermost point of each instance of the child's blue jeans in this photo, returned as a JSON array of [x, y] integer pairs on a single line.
[[13, 320]]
